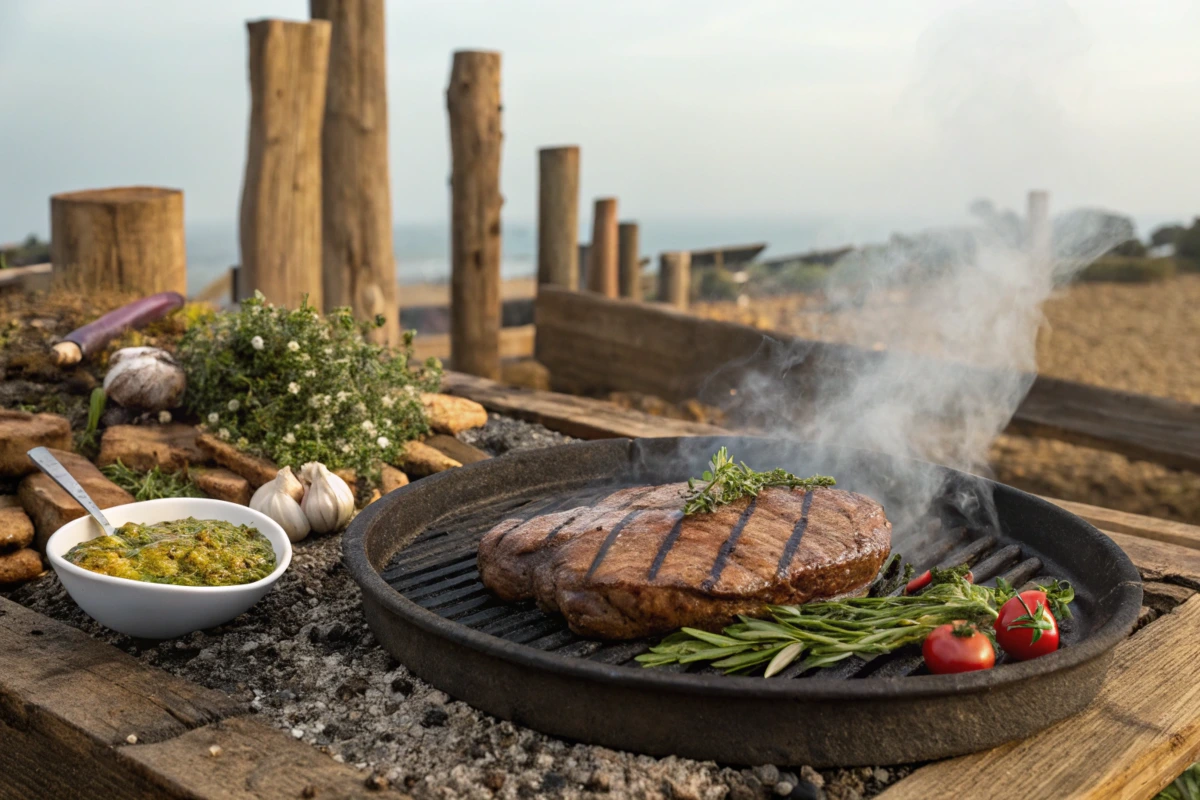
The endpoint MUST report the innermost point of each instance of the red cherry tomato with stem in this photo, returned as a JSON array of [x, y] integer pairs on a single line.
[[957, 647], [1025, 627]]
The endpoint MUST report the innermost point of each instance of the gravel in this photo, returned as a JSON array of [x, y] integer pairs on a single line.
[[304, 661]]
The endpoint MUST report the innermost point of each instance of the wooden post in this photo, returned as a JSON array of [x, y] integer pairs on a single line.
[[629, 263], [280, 229], [584, 250], [358, 257], [473, 100], [675, 278], [558, 216], [127, 238], [1041, 248], [602, 254]]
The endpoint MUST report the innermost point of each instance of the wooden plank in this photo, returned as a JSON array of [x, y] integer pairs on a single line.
[[514, 343], [1141, 731], [1159, 561], [69, 705], [580, 417], [1107, 519], [33, 276], [591, 343]]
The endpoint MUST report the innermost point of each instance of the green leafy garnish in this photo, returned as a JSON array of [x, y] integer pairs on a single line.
[[151, 485], [726, 481]]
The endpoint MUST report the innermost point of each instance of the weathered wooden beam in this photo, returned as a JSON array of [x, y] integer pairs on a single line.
[[80, 718], [280, 225], [473, 102], [1162, 530], [602, 252], [128, 238], [357, 254], [1136, 736], [594, 343], [629, 262], [558, 216]]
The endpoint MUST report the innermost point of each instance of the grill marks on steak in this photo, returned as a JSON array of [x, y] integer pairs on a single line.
[[632, 565]]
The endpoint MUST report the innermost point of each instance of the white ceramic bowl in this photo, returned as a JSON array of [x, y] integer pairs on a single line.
[[160, 610]]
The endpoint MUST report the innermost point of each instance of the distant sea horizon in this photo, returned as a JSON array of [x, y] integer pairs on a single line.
[[423, 248]]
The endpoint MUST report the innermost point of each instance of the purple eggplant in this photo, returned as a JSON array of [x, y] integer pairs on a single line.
[[91, 338]]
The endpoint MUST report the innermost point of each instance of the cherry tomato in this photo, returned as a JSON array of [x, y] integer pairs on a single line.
[[957, 647], [1025, 628], [921, 581]]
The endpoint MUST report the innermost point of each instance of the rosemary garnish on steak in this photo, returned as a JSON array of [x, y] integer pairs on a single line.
[[725, 481]]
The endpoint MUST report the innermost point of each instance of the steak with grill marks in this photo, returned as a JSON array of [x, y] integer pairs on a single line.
[[631, 565]]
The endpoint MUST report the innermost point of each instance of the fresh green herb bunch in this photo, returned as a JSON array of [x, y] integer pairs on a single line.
[[296, 387], [151, 485], [726, 481]]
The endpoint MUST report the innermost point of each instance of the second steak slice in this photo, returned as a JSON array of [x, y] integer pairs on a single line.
[[632, 565]]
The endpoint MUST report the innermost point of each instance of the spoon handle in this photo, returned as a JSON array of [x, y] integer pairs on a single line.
[[50, 465]]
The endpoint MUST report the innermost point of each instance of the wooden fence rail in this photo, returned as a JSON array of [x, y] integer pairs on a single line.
[[597, 344]]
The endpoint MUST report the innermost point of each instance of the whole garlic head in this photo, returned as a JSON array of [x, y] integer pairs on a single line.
[[275, 499], [144, 378], [329, 501]]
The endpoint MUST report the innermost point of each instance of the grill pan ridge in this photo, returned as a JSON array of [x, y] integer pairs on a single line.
[[413, 554]]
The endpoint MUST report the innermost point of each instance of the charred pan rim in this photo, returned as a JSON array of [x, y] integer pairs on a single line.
[[362, 532]]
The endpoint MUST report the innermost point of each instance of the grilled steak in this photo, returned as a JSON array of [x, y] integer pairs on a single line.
[[632, 565]]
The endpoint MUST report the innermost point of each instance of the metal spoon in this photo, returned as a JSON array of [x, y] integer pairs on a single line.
[[50, 465]]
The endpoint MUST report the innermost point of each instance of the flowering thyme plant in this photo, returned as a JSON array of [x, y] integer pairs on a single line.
[[296, 387]]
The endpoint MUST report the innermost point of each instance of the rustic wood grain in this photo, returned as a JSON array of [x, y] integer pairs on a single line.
[[1160, 561], [596, 343], [473, 101], [1139, 733], [358, 259], [461, 452], [128, 238], [280, 223], [1163, 530], [558, 216], [580, 417]]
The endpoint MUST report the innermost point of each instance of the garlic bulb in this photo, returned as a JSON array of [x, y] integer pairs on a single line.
[[275, 499], [144, 378], [329, 502]]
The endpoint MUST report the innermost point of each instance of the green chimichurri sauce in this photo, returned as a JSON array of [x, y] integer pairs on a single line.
[[184, 552]]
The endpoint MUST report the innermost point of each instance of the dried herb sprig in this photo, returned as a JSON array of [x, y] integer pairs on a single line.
[[725, 481]]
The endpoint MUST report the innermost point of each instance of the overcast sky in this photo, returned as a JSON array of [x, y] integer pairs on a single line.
[[683, 108]]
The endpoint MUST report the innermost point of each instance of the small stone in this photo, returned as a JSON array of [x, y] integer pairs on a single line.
[[790, 777], [768, 774], [805, 791], [553, 782], [249, 647], [131, 738], [449, 414], [376, 782], [297, 733], [402, 686], [222, 484], [812, 776], [600, 781], [740, 791], [16, 529], [170, 447], [543, 761], [21, 431], [49, 505], [434, 718], [352, 687], [420, 459], [20, 567], [882, 775], [784, 788], [254, 469], [214, 750], [494, 780], [391, 479]]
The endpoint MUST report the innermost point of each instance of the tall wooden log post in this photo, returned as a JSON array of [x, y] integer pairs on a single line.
[[1041, 248], [558, 216], [675, 278], [280, 227], [127, 238], [473, 100], [357, 253], [602, 253], [629, 262]]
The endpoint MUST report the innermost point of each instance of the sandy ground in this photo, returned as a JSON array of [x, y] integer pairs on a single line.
[[1141, 338]]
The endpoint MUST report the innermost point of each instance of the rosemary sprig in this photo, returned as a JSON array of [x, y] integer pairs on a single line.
[[726, 481], [827, 632]]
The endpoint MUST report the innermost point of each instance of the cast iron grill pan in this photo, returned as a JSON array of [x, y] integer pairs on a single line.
[[414, 555]]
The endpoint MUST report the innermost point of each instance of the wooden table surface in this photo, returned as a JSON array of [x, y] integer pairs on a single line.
[[77, 714]]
